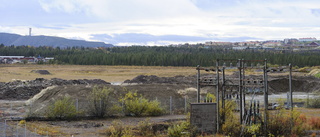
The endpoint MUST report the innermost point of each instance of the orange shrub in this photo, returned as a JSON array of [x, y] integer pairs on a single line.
[[314, 122]]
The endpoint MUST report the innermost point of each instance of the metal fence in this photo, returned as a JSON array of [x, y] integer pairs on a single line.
[[12, 112], [11, 128]]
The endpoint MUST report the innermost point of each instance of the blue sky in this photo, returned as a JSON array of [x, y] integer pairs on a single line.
[[162, 22]]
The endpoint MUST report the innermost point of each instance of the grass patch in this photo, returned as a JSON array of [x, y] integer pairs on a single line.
[[107, 73]]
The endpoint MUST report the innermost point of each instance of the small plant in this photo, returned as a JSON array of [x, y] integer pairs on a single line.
[[179, 130], [145, 128], [154, 108], [137, 105], [210, 98], [231, 127], [62, 109], [44, 130], [314, 122], [313, 103], [118, 129], [183, 129], [22, 122], [100, 101], [253, 130], [287, 124]]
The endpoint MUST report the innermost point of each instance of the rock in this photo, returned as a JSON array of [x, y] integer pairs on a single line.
[[42, 72]]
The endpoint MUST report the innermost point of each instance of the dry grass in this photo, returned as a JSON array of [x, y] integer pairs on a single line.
[[107, 73]]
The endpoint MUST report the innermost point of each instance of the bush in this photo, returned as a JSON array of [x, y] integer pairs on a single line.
[[136, 105], [100, 101], [313, 103], [210, 98], [118, 129], [154, 108], [314, 122], [145, 128], [231, 127], [287, 124], [62, 109], [184, 129]]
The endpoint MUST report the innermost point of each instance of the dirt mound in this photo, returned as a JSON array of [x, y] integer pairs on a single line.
[[299, 84], [19, 89], [152, 79], [314, 72], [160, 92], [42, 72]]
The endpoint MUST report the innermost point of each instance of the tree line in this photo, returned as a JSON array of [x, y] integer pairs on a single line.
[[160, 56]]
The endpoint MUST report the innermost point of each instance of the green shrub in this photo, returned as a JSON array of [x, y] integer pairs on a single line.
[[210, 98], [137, 105], [313, 103], [145, 128], [154, 108], [100, 101], [118, 129], [287, 124], [62, 109], [231, 127], [317, 75], [184, 129]]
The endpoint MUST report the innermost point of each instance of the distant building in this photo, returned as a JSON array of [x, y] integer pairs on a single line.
[[314, 44], [307, 39], [22, 59], [290, 41], [248, 43], [239, 48], [211, 43], [271, 44]]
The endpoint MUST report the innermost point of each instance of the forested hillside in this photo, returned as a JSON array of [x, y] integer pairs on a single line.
[[159, 56], [8, 39]]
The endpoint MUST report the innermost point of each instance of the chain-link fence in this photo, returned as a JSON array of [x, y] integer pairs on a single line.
[[12, 112]]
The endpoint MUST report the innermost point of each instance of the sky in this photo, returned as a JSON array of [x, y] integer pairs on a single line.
[[162, 22]]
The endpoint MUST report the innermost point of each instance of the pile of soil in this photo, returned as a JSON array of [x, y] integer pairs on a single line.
[[80, 93], [25, 89], [299, 84], [152, 79], [42, 72]]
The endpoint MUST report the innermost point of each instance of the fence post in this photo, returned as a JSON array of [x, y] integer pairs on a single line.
[[10, 109], [30, 110], [5, 127], [170, 105], [17, 129], [100, 111], [25, 129], [77, 105], [185, 104]]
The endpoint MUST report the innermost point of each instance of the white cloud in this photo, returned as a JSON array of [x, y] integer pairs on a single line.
[[215, 19], [122, 9]]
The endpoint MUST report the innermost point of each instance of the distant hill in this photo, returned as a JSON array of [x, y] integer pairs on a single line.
[[14, 39]]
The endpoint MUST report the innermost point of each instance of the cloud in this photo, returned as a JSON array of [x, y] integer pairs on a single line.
[[122, 10], [147, 39], [163, 21]]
